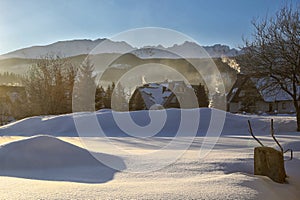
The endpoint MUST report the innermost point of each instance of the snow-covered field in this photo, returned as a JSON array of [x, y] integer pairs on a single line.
[[63, 125], [58, 167]]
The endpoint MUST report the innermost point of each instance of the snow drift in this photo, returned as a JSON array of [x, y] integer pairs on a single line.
[[48, 158], [63, 125]]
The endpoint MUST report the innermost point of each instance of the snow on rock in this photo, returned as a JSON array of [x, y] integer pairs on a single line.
[[147, 53], [63, 125], [30, 158], [185, 50]]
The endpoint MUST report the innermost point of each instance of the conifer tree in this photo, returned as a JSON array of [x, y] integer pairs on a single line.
[[107, 97], [202, 96], [84, 94], [119, 102], [99, 98]]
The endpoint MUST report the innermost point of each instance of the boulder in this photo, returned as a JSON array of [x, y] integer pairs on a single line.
[[269, 162]]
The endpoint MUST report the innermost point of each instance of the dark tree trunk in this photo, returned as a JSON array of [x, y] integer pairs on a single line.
[[297, 107], [298, 119]]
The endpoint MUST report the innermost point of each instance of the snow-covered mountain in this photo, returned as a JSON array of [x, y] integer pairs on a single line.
[[79, 47], [186, 50], [70, 48], [218, 49], [154, 52]]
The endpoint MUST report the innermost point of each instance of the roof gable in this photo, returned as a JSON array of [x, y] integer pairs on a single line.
[[160, 93], [240, 81], [276, 94], [268, 95]]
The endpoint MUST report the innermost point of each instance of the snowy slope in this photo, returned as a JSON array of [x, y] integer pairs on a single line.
[[63, 125]]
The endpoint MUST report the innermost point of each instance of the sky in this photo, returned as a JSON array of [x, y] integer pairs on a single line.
[[41, 22]]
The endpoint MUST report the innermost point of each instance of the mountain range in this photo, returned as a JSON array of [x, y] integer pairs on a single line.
[[82, 47], [113, 59]]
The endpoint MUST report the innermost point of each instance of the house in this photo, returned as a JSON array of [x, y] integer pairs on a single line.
[[174, 94], [10, 98], [247, 95]]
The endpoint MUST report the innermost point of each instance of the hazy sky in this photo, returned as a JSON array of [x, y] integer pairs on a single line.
[[25, 23]]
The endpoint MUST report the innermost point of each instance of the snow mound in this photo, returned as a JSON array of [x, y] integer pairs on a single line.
[[63, 125], [43, 152], [48, 158], [57, 125]]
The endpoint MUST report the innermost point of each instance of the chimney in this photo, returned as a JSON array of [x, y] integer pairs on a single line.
[[171, 85]]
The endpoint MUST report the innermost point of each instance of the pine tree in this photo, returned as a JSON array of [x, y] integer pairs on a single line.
[[202, 96], [107, 97], [99, 97], [217, 101], [119, 98], [137, 102], [69, 81], [84, 99]]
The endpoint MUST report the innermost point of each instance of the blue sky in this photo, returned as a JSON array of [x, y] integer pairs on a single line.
[[40, 22]]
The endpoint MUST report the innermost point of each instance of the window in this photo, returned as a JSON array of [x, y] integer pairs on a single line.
[[283, 106], [270, 107], [174, 100], [242, 93]]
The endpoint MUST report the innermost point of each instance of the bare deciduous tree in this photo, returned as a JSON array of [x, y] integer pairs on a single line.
[[273, 54], [4, 111], [49, 85]]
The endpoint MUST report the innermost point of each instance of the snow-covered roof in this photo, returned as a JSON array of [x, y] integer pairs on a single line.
[[232, 94], [154, 95], [267, 94], [159, 93], [271, 95], [241, 79], [279, 95]]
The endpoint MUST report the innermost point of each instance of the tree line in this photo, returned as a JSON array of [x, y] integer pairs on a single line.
[[9, 78], [54, 85]]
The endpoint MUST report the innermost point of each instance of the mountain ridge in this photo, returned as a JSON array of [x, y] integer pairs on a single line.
[[69, 48]]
